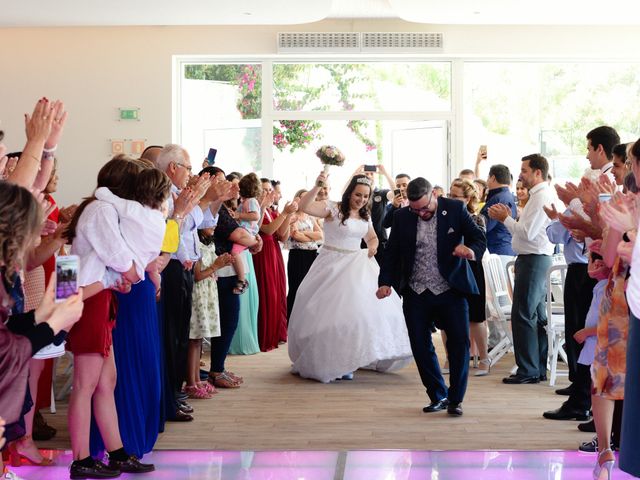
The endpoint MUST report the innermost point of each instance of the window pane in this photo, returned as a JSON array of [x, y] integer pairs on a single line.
[[374, 86], [221, 108], [521, 108], [417, 148]]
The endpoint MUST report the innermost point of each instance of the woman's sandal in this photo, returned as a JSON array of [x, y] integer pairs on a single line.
[[208, 387], [236, 378], [483, 371], [223, 380], [196, 392]]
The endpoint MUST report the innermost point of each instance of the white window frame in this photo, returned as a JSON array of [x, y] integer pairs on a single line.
[[269, 114], [454, 117]]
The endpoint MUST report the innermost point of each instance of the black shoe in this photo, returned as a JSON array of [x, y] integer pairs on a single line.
[[204, 375], [520, 379], [455, 409], [565, 391], [181, 417], [542, 378], [98, 470], [567, 413], [588, 427], [436, 406], [131, 465]]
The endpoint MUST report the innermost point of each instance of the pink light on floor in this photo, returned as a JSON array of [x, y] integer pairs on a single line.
[[353, 465]]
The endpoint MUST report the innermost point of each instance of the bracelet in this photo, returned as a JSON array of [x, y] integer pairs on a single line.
[[47, 155], [50, 150], [177, 216]]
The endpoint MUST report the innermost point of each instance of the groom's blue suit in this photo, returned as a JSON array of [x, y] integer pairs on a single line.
[[450, 309]]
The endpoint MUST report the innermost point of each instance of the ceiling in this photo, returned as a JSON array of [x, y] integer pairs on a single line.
[[291, 12]]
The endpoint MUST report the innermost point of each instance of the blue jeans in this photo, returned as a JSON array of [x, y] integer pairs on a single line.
[[529, 314], [452, 311], [229, 304]]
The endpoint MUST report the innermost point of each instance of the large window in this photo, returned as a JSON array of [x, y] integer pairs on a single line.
[[220, 107], [418, 117], [391, 113], [517, 108]]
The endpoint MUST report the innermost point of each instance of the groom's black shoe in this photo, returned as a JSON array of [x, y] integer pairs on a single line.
[[436, 406], [455, 409]]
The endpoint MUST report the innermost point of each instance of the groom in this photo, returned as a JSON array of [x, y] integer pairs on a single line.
[[425, 260]]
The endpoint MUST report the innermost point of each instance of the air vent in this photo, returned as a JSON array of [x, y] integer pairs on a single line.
[[401, 42], [293, 42]]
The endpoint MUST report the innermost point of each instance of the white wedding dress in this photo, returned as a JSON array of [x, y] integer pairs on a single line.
[[337, 324]]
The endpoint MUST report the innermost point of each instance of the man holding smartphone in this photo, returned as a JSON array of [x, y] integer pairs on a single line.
[[379, 200], [398, 200]]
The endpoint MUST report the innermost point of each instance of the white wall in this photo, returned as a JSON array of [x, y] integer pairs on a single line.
[[96, 70]]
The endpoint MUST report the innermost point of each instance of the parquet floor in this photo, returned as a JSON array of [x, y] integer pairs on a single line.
[[275, 410]]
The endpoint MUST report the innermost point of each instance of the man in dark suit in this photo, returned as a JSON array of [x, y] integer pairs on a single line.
[[426, 262]]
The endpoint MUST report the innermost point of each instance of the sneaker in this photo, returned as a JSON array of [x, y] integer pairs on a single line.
[[592, 446]]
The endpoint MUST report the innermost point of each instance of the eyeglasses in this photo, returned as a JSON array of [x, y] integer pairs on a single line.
[[422, 210], [187, 167]]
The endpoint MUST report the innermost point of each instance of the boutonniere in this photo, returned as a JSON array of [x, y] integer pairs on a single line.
[[444, 213]]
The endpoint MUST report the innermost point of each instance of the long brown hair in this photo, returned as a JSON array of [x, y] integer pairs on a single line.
[[119, 175], [20, 222], [343, 206]]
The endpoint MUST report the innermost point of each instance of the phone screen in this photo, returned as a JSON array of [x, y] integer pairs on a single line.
[[211, 157], [370, 168], [604, 197], [396, 192], [67, 267]]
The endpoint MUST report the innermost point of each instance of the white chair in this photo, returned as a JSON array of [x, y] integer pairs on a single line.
[[510, 271], [555, 320], [499, 303]]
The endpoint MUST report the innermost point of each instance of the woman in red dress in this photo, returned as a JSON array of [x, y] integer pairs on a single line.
[[270, 273]]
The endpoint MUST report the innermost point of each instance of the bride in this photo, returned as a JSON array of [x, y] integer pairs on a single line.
[[337, 325]]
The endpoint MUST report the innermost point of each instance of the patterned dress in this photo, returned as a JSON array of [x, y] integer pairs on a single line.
[[205, 313], [608, 369]]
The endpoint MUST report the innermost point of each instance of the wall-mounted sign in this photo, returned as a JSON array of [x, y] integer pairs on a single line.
[[129, 114]]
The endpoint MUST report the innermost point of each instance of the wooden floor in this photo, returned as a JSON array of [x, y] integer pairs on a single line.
[[275, 410]]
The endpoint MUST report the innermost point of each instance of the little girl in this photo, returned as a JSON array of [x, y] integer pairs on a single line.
[[142, 222], [248, 216], [205, 314]]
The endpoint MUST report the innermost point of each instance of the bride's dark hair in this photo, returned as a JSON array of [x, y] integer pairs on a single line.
[[343, 206]]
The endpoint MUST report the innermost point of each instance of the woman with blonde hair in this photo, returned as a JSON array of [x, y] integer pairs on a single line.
[[466, 192]]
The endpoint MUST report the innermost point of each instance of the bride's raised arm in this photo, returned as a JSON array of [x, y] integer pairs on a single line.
[[308, 204]]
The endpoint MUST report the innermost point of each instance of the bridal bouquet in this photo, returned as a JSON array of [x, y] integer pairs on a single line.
[[330, 155]]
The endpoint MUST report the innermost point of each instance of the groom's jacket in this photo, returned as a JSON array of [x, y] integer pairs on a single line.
[[455, 226]]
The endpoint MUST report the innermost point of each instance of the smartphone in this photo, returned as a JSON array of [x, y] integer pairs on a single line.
[[396, 192], [67, 269], [211, 156], [370, 168], [604, 197]]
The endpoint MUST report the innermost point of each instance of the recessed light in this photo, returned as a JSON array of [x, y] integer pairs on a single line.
[[476, 12], [246, 13]]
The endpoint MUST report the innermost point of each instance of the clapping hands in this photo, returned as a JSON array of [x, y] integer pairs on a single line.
[[621, 213]]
